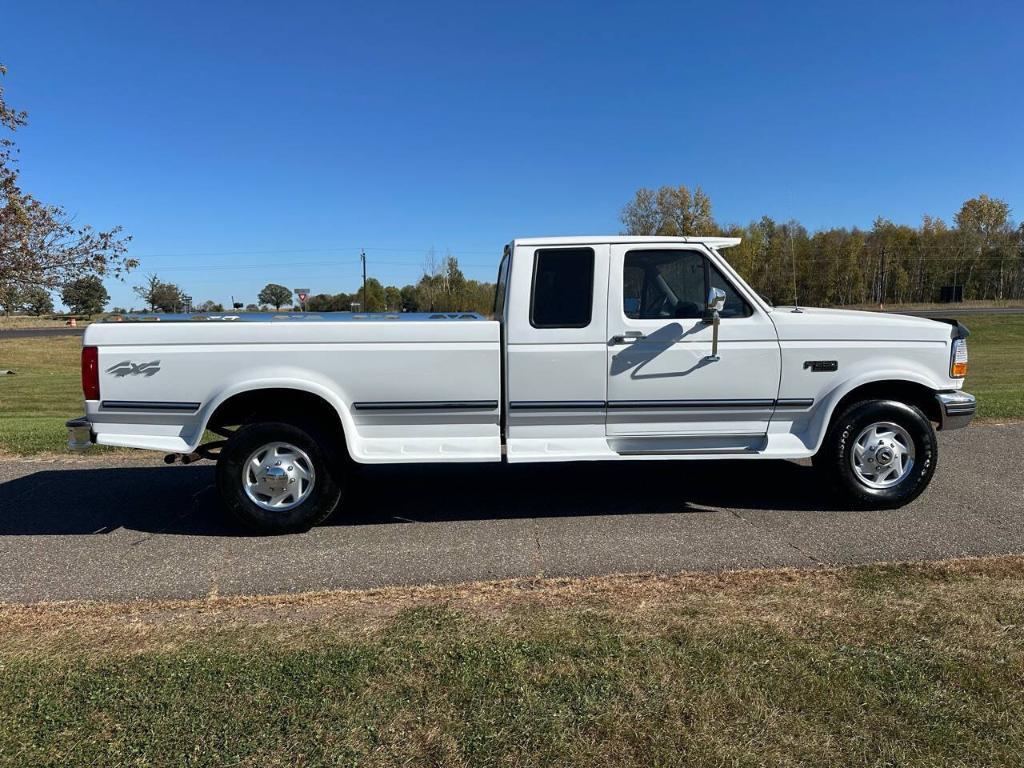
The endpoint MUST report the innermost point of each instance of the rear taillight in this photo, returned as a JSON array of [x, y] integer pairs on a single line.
[[958, 359], [91, 373]]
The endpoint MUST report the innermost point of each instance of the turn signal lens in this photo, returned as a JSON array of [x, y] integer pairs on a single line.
[[958, 359], [91, 373]]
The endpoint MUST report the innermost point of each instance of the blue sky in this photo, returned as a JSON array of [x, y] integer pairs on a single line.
[[224, 135]]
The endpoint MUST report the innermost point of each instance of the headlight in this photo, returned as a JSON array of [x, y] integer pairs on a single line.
[[958, 359]]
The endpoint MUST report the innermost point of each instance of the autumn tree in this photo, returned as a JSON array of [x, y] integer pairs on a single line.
[[669, 211], [986, 239], [982, 254], [40, 244], [274, 294], [85, 296]]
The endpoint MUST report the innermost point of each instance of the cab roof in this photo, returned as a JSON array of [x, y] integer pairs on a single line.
[[712, 242]]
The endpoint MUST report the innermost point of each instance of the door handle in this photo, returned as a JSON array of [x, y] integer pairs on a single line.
[[628, 336]]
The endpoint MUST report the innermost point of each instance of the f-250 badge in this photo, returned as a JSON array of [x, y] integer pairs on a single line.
[[128, 368]]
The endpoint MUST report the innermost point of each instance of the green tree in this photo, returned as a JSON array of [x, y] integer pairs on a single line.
[[36, 301], [374, 300], [274, 294], [85, 296], [40, 244], [165, 297], [410, 299], [10, 298], [320, 302], [392, 299]]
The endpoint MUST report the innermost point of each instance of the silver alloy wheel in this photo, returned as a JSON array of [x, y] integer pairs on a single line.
[[278, 477], [883, 455]]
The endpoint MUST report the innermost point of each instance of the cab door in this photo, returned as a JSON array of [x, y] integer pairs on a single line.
[[666, 392]]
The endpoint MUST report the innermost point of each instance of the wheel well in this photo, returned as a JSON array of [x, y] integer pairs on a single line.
[[907, 392], [293, 406]]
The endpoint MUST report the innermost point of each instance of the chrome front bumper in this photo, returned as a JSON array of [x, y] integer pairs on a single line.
[[956, 409], [79, 434]]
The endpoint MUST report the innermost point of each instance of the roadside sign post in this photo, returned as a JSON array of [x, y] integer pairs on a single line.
[[303, 294]]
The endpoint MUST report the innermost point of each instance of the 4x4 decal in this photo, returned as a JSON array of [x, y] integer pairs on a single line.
[[128, 368]]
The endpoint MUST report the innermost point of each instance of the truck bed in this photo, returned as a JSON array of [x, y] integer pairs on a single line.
[[407, 387]]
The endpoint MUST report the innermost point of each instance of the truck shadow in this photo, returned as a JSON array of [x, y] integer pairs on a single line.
[[183, 500]]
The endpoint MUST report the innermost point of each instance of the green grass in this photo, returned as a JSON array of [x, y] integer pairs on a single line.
[[908, 666], [46, 391], [996, 372]]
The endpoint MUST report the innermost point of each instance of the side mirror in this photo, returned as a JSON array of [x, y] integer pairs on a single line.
[[716, 300]]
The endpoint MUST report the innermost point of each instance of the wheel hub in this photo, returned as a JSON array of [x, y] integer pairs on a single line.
[[883, 455], [278, 476]]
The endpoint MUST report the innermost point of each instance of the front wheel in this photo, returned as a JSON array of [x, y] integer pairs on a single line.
[[879, 453], [276, 478]]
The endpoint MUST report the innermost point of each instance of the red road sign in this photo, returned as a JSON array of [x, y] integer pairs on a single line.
[[302, 297]]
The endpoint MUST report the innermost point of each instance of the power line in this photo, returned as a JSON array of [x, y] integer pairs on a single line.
[[336, 248], [291, 264]]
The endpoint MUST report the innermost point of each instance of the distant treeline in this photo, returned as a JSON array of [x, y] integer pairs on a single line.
[[981, 254], [442, 288]]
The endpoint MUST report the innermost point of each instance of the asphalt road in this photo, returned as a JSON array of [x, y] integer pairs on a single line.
[[117, 529], [27, 333]]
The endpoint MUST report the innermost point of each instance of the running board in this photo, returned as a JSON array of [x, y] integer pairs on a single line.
[[663, 445]]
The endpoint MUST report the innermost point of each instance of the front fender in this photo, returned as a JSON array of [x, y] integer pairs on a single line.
[[826, 408]]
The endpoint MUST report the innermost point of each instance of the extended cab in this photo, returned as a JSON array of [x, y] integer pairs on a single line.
[[603, 348]]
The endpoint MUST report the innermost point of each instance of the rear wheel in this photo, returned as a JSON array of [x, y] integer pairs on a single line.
[[879, 453], [277, 477]]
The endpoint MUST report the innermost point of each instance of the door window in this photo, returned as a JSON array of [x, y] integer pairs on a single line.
[[667, 284]]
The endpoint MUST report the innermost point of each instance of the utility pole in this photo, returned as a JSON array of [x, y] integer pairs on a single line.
[[362, 256]]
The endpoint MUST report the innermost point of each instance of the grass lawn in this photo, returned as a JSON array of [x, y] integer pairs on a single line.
[[918, 665], [927, 305], [46, 391]]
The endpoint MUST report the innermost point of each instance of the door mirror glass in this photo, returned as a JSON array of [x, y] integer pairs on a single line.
[[716, 300]]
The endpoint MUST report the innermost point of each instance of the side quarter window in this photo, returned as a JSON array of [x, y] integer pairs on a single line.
[[562, 294]]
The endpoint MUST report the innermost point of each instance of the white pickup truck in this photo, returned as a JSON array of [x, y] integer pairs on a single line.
[[602, 348]]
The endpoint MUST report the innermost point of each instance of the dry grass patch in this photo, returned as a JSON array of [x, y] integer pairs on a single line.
[[890, 665]]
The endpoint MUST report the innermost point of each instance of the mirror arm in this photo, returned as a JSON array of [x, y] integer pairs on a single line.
[[715, 320]]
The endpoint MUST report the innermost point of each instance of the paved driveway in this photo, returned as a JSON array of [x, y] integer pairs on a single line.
[[116, 529]]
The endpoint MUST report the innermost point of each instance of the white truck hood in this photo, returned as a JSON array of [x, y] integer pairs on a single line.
[[814, 324]]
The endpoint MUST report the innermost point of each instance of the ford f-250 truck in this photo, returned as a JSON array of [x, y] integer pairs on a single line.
[[602, 348]]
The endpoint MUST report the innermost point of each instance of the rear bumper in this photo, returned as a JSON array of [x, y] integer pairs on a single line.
[[956, 409], [80, 435]]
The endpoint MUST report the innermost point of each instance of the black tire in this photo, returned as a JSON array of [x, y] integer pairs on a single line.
[[834, 461], [323, 497]]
